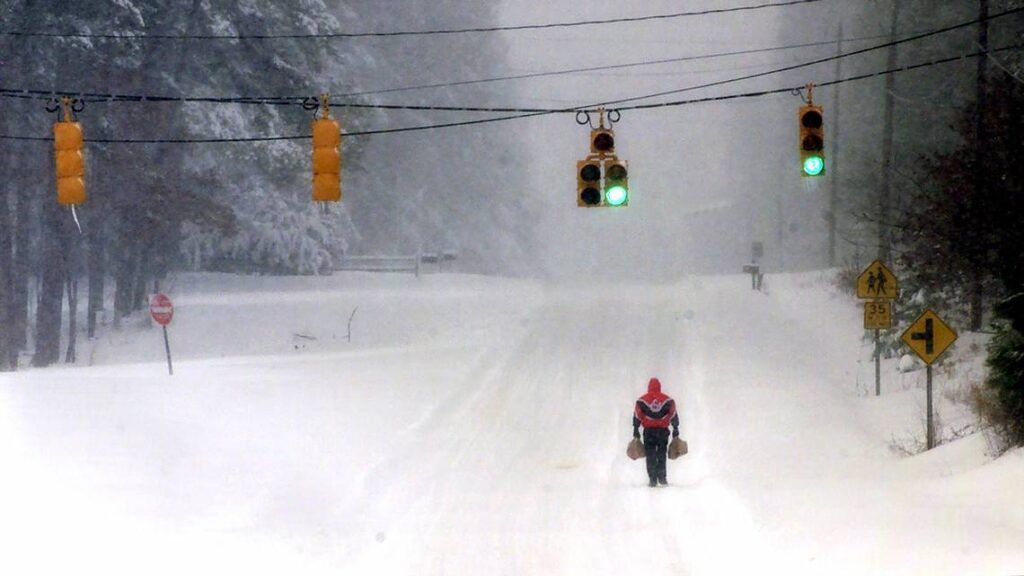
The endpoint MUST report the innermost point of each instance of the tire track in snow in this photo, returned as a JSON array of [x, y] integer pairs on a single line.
[[528, 475]]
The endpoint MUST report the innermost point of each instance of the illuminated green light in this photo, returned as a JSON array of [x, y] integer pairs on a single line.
[[616, 196], [814, 165]]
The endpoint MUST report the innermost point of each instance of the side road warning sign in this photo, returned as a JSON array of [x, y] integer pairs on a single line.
[[929, 337]]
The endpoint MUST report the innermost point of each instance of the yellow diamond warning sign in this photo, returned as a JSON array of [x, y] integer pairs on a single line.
[[877, 282], [929, 336]]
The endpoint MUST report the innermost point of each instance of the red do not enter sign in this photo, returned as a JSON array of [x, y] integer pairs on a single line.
[[161, 309]]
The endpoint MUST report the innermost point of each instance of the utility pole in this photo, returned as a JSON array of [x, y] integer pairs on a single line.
[[833, 195], [980, 194], [885, 192]]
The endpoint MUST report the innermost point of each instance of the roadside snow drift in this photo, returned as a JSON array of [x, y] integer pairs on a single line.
[[465, 425]]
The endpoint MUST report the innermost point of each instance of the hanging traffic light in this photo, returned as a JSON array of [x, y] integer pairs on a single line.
[[326, 157], [616, 183], [67, 143], [601, 179], [588, 183], [812, 140]]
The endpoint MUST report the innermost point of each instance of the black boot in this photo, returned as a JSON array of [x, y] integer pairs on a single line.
[[652, 483]]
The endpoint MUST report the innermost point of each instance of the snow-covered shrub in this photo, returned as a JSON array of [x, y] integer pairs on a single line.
[[1000, 403]]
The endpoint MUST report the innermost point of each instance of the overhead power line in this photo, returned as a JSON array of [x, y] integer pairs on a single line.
[[334, 35], [568, 71], [296, 100], [97, 97], [676, 103], [913, 38]]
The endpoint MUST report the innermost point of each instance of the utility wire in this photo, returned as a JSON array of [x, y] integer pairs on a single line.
[[606, 67], [296, 100], [692, 58], [813, 62], [792, 89], [104, 97], [756, 94], [334, 35]]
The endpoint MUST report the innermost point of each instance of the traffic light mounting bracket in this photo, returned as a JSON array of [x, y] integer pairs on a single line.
[[66, 107], [583, 118]]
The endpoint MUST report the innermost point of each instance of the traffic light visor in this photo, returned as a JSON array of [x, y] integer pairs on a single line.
[[326, 188], [812, 143], [70, 191], [616, 195], [67, 136], [326, 133], [813, 165], [326, 161], [590, 173], [811, 119], [590, 196], [602, 141], [70, 164]]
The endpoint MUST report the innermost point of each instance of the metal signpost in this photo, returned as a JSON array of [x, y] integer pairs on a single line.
[[878, 284], [929, 337], [161, 309]]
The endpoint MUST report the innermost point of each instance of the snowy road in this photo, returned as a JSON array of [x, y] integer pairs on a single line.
[[527, 474], [478, 426]]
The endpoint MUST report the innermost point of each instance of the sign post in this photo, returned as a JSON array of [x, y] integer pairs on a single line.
[[161, 309], [929, 337], [877, 283]]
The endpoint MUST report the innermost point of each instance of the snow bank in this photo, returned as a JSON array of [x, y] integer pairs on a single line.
[[478, 425]]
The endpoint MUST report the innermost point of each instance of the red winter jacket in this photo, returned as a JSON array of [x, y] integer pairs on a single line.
[[655, 410]]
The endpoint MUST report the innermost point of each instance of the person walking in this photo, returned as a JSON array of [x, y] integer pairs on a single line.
[[655, 411]]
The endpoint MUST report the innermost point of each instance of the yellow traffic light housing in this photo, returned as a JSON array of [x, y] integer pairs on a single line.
[[68, 142], [811, 126], [326, 157], [588, 183]]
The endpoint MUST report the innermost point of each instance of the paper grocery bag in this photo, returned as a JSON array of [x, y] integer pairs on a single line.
[[677, 448], [635, 450]]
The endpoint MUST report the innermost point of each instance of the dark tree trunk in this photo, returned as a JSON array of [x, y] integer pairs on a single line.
[[51, 290], [121, 257], [6, 288], [72, 286], [977, 298], [22, 269], [122, 288], [981, 191], [141, 277], [97, 271]]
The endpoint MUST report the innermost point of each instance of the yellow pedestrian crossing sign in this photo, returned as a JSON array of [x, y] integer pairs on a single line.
[[877, 282], [929, 336]]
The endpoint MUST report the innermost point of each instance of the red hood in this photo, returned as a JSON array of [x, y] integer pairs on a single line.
[[654, 386]]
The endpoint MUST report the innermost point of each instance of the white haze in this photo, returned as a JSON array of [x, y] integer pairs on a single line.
[[706, 179]]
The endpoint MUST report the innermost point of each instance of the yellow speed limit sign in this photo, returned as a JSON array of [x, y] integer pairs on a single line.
[[877, 315]]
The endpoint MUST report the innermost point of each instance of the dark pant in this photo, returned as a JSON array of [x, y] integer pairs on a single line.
[[655, 448]]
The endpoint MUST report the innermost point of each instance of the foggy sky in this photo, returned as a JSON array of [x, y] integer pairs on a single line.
[[705, 179]]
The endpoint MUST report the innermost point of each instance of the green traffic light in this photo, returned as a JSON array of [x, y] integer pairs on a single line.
[[616, 195], [814, 165]]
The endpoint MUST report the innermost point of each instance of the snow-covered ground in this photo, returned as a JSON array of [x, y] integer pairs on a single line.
[[478, 426]]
